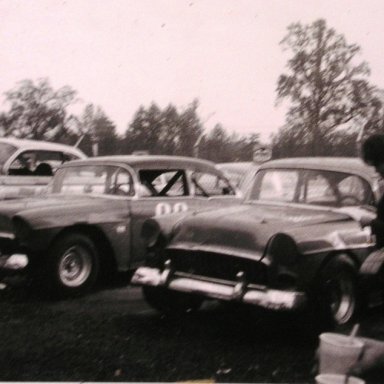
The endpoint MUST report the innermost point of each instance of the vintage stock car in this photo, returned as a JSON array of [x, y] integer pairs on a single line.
[[299, 241], [88, 223], [27, 166]]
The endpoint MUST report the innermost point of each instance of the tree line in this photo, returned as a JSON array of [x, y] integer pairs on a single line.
[[332, 107], [37, 111]]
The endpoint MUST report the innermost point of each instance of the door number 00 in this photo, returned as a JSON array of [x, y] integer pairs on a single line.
[[166, 208]]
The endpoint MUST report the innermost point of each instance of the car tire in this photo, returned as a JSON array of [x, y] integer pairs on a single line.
[[170, 302], [72, 265], [338, 295]]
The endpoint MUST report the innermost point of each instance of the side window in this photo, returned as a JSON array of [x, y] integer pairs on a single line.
[[319, 190], [354, 191], [121, 184], [24, 165], [84, 180], [38, 163], [54, 159], [163, 183], [209, 184]]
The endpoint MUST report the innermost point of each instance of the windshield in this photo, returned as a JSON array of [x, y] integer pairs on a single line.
[[92, 179], [6, 151], [315, 187]]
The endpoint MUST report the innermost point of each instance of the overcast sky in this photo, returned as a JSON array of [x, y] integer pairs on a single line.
[[121, 54]]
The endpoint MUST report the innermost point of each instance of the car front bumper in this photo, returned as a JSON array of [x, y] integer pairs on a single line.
[[14, 262], [220, 289]]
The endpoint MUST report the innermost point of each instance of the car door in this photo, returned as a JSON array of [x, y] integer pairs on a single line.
[[160, 192], [110, 189], [167, 191], [119, 187]]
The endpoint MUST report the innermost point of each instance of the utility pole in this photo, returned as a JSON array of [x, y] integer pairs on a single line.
[[95, 145], [202, 134], [197, 144]]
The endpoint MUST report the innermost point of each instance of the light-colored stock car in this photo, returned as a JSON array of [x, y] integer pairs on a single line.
[[27, 166]]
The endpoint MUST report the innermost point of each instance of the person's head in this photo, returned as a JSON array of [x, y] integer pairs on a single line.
[[29, 160], [373, 152]]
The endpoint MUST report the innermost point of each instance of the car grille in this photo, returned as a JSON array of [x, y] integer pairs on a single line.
[[5, 224], [6, 246], [217, 266]]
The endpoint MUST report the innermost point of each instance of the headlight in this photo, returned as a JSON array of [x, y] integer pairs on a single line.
[[21, 227], [283, 250]]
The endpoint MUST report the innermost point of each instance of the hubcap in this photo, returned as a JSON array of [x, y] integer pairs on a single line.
[[342, 299], [75, 266]]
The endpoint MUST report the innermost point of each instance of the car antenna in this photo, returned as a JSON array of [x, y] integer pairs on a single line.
[[80, 139]]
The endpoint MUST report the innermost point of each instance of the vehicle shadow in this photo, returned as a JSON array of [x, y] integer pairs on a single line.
[[226, 343]]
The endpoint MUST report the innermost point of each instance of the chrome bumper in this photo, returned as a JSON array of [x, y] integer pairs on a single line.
[[13, 262], [222, 290]]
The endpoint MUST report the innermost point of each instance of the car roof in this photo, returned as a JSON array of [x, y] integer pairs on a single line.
[[41, 145], [150, 162], [236, 167], [352, 165]]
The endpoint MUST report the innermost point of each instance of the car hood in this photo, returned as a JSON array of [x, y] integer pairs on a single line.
[[57, 210], [245, 230]]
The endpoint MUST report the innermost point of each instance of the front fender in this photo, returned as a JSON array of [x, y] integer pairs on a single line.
[[161, 227], [312, 265]]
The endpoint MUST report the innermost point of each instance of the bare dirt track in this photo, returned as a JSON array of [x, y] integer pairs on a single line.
[[113, 335]]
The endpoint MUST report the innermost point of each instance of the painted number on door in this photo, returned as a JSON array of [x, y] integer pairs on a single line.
[[166, 208]]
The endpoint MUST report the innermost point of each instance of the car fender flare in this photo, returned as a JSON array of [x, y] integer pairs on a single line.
[[337, 258], [98, 236], [373, 263]]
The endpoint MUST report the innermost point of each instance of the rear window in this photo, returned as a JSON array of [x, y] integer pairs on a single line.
[[6, 151]]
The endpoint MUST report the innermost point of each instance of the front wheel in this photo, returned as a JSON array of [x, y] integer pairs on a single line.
[[338, 293], [171, 302], [72, 265]]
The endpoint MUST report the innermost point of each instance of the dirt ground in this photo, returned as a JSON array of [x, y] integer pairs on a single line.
[[113, 335]]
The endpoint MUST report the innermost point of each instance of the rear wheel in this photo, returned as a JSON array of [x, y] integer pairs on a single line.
[[338, 293], [171, 302]]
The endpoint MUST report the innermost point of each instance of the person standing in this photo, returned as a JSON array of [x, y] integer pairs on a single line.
[[371, 363], [372, 153]]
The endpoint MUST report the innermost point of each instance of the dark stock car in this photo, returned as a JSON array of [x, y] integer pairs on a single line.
[[297, 242], [89, 221]]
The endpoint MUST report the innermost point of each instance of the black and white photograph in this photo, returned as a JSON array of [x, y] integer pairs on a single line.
[[192, 191]]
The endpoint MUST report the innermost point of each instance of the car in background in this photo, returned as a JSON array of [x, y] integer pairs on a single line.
[[297, 242], [27, 166], [239, 173], [88, 224]]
